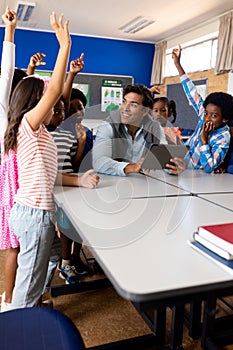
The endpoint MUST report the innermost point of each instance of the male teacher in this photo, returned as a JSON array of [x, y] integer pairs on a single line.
[[123, 139]]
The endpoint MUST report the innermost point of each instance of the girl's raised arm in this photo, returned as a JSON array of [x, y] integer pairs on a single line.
[[7, 66], [43, 109]]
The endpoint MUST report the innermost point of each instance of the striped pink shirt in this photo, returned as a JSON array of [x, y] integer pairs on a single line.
[[37, 162]]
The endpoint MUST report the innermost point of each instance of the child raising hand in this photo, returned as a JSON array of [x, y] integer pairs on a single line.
[[210, 141], [33, 214]]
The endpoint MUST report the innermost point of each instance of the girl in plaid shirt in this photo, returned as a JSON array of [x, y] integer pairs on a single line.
[[210, 141]]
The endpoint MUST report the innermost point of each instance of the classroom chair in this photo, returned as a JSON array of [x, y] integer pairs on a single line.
[[38, 329]]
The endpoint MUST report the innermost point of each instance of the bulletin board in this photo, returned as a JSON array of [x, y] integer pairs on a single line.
[[186, 115], [92, 84], [95, 82]]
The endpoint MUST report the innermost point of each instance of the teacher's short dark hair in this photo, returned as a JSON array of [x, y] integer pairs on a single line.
[[140, 89]]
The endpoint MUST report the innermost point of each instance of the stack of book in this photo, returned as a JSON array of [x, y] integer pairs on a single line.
[[215, 242]]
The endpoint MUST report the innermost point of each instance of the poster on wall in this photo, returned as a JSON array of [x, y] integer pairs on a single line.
[[85, 88], [43, 73], [111, 95]]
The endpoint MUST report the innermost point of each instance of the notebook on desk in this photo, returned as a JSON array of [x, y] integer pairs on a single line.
[[159, 155]]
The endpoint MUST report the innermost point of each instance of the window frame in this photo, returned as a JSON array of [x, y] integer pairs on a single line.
[[170, 70]]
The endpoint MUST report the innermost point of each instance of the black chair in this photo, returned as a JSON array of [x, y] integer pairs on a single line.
[[38, 329]]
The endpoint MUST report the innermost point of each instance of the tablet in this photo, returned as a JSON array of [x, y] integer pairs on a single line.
[[159, 155]]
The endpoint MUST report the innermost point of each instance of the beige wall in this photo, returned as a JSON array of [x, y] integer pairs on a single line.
[[215, 82]]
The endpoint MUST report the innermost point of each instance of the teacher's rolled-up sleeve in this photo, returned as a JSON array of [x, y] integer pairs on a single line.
[[103, 152]]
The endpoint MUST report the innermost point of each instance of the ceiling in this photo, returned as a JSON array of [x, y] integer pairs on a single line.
[[103, 18]]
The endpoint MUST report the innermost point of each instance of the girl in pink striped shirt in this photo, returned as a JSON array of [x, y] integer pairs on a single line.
[[33, 214]]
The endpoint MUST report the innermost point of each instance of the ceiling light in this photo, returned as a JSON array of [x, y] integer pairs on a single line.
[[136, 24], [24, 10]]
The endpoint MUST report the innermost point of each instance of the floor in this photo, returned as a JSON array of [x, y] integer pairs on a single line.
[[102, 316]]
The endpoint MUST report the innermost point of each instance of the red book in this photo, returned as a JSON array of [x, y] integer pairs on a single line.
[[221, 235]]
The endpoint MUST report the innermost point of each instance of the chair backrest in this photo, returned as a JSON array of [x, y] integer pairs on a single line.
[[38, 329]]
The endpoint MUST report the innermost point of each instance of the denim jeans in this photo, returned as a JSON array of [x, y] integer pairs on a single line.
[[54, 259], [35, 231]]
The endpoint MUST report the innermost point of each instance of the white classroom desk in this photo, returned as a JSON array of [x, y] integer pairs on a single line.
[[197, 181], [111, 188], [141, 244], [224, 200]]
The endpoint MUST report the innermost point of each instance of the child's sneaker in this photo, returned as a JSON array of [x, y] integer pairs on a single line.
[[69, 274], [5, 306], [80, 267]]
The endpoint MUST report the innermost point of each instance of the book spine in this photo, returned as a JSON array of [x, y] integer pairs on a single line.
[[215, 240], [223, 253]]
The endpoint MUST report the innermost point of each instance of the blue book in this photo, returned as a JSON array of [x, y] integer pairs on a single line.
[[224, 263]]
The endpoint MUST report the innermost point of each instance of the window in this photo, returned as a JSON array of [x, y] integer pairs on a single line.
[[198, 57]]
